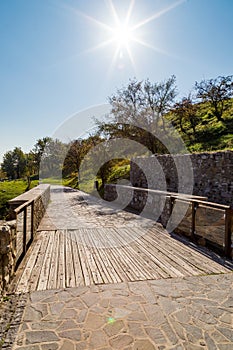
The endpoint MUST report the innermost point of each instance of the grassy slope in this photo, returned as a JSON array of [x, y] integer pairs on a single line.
[[211, 134], [9, 190]]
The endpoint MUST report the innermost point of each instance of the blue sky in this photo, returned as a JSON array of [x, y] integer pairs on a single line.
[[50, 70]]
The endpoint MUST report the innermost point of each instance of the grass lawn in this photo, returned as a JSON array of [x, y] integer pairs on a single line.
[[9, 190]]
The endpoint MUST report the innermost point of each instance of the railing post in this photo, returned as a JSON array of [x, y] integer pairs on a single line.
[[24, 230], [193, 224], [172, 200], [228, 223], [32, 220]]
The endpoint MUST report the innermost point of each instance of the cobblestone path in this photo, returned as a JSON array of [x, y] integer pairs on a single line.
[[189, 313]]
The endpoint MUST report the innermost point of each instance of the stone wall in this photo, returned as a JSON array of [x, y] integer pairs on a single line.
[[7, 253], [212, 174], [9, 231], [41, 197]]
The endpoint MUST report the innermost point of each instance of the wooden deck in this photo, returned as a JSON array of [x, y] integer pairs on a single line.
[[87, 256]]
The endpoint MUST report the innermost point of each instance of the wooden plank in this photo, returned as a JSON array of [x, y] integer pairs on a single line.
[[168, 250], [53, 273], [83, 260], [61, 277], [96, 276], [70, 275], [44, 236], [45, 269], [79, 279], [23, 284], [157, 263], [103, 259], [195, 258], [96, 256], [124, 254], [156, 245], [113, 259], [140, 259]]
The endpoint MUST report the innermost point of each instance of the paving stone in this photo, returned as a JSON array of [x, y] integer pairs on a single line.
[[68, 314], [122, 313], [225, 346], [143, 344], [31, 314], [56, 308], [136, 329], [67, 345], [68, 324], [45, 325], [40, 337], [228, 333], [121, 341], [182, 316], [74, 334], [227, 318], [81, 316], [90, 299], [194, 334], [97, 339], [154, 314], [94, 321], [210, 342], [156, 335], [81, 346], [30, 347], [114, 328], [51, 346], [170, 334]]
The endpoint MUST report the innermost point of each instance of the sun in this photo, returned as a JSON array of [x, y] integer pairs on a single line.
[[123, 33]]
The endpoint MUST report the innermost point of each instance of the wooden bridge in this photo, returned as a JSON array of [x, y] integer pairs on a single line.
[[81, 242]]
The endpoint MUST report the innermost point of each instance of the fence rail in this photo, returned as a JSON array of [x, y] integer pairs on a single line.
[[222, 220], [24, 215], [210, 221]]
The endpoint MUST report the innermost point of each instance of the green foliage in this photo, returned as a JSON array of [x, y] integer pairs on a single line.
[[211, 134], [9, 190]]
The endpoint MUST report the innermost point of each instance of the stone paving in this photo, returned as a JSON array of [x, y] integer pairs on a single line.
[[189, 313], [70, 209]]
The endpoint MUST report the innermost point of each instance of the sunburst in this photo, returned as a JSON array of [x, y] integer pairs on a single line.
[[123, 34]]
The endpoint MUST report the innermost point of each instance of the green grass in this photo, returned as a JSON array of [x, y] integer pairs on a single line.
[[9, 190], [211, 134]]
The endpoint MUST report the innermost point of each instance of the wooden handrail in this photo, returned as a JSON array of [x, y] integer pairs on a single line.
[[196, 202], [23, 209]]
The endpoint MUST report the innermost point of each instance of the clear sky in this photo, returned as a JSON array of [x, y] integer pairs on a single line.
[[58, 57]]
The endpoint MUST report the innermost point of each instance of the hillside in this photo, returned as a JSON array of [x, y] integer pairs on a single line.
[[211, 134]]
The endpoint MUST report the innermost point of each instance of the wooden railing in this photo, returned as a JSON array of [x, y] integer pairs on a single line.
[[203, 221], [28, 210], [224, 219], [24, 216]]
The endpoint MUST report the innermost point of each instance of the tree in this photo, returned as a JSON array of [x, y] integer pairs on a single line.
[[185, 112], [52, 158], [14, 163], [138, 111], [217, 93], [38, 151]]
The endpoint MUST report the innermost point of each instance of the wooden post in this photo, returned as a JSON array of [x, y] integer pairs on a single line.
[[32, 220], [24, 230], [172, 200], [193, 224], [228, 223]]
